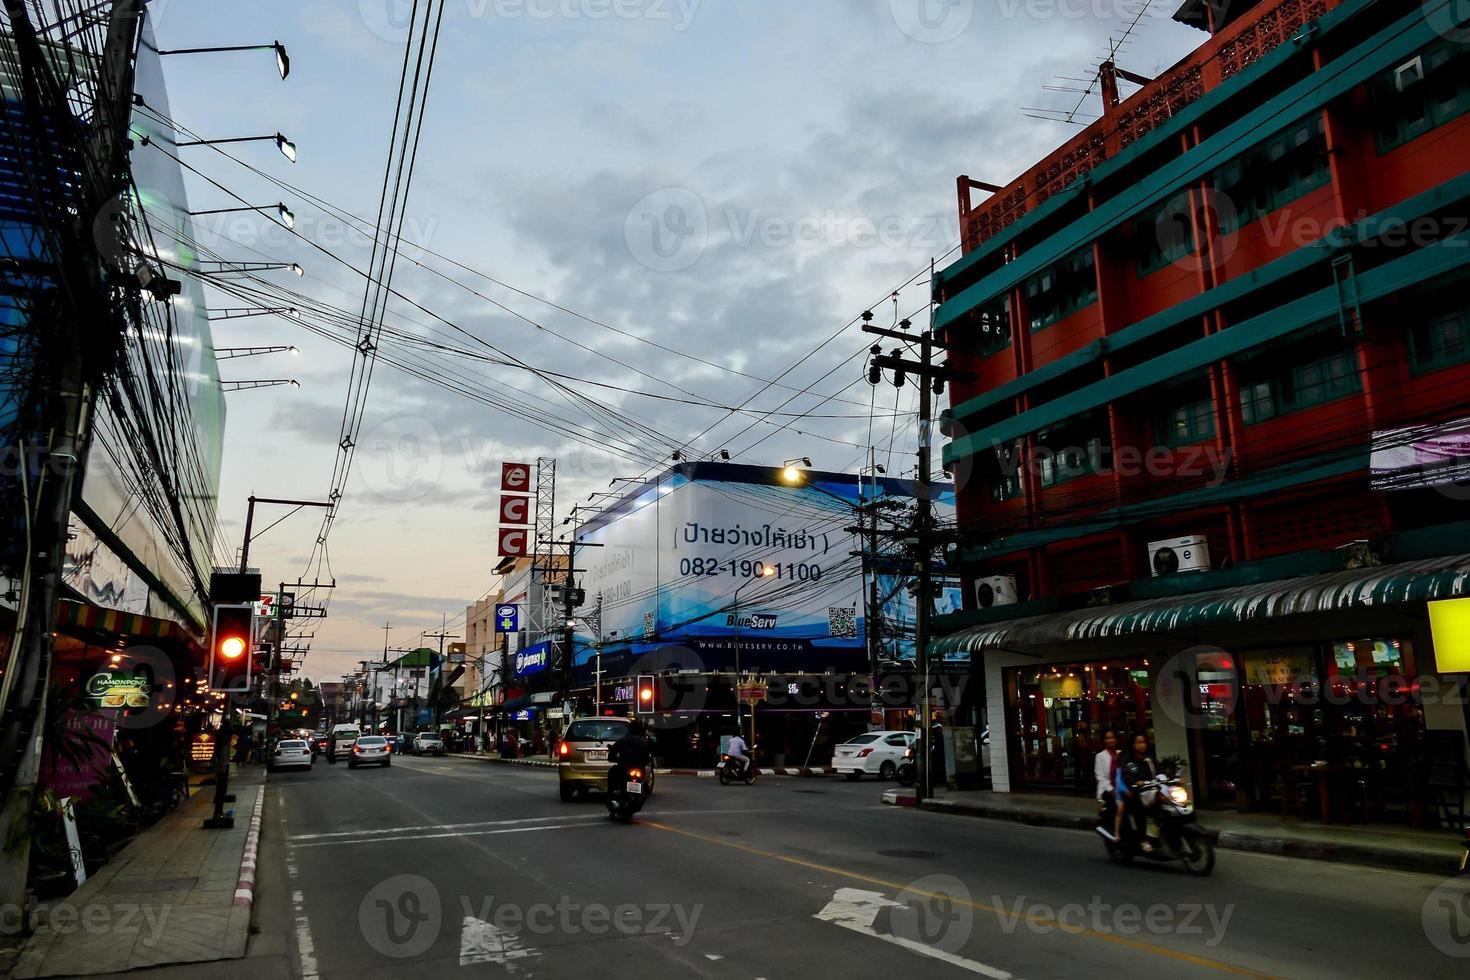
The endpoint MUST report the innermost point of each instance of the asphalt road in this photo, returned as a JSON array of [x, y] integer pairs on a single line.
[[435, 866]]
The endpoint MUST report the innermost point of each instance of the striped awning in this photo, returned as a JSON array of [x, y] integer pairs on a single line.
[[1383, 585], [80, 615]]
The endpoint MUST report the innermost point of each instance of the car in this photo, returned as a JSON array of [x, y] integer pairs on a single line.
[[581, 755], [291, 753], [428, 743], [370, 750], [872, 753], [340, 742]]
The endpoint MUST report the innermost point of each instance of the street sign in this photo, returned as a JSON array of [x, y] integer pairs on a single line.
[[752, 692], [507, 618]]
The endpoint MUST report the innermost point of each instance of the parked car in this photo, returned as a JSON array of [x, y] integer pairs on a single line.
[[291, 753], [872, 754], [428, 743], [370, 750]]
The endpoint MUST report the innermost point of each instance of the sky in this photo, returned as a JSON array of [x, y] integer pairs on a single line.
[[729, 180]]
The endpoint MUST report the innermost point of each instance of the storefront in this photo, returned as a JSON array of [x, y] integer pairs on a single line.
[[1321, 697]]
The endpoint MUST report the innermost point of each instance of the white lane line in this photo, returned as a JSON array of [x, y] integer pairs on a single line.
[[305, 945], [440, 826], [481, 942], [857, 910], [465, 833]]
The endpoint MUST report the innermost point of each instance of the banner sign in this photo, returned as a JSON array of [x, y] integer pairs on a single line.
[[515, 542], [120, 689], [532, 659], [515, 477], [507, 618], [1420, 457], [515, 509]]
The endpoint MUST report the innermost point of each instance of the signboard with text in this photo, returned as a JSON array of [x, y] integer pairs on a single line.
[[515, 477], [515, 542], [507, 618]]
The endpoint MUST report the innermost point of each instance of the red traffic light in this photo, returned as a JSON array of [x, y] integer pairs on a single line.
[[232, 647], [230, 642], [646, 697]]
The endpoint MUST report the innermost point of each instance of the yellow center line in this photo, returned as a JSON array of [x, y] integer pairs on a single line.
[[899, 887]]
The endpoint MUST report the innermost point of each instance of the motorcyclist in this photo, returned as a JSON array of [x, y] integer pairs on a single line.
[[738, 751], [628, 752], [1136, 768]]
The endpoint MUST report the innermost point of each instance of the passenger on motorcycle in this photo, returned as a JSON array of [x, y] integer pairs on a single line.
[[628, 752], [1137, 767]]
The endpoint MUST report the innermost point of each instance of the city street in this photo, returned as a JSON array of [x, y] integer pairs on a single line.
[[436, 864]]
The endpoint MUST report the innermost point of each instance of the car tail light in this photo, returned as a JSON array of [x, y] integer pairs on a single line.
[[564, 749], [865, 753]]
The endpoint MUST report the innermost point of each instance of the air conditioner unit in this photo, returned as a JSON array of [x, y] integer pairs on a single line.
[[1187, 554], [995, 590]]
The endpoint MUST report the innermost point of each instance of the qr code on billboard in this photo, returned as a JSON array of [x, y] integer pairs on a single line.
[[650, 626], [842, 621]]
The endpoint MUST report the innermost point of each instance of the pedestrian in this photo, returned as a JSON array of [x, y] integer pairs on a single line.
[[1105, 765]]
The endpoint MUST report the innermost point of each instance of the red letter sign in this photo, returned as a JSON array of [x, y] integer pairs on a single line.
[[514, 541], [515, 477], [515, 509]]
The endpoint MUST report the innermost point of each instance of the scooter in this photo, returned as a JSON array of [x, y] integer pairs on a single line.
[[907, 773], [730, 769], [627, 790], [1180, 837]]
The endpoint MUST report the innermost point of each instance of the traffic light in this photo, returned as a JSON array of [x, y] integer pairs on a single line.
[[231, 645], [646, 698]]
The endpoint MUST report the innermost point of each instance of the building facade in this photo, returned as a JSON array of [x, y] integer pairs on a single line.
[[1220, 356]]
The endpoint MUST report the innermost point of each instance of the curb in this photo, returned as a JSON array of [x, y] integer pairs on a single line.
[[245, 887], [702, 773], [1230, 840]]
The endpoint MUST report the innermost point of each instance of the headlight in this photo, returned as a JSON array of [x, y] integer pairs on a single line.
[[1179, 794]]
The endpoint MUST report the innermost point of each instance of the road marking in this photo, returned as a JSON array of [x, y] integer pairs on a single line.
[[439, 826], [305, 945], [857, 910], [899, 887], [481, 942], [457, 833]]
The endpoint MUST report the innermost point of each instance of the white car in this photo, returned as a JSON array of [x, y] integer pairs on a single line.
[[872, 753], [291, 753]]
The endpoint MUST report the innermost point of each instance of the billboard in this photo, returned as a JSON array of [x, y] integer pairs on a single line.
[[723, 560]]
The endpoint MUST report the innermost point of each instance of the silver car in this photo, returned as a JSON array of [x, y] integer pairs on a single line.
[[370, 750], [291, 753]]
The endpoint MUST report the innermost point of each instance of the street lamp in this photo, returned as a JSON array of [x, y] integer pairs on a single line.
[[240, 312], [283, 60], [287, 148], [791, 473], [283, 213], [766, 572], [226, 267]]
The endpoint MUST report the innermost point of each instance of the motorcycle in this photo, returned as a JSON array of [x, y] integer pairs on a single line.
[[730, 769], [1180, 837], [907, 773], [627, 790]]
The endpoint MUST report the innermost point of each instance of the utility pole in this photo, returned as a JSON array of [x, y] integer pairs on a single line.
[[443, 634], [77, 365], [931, 378]]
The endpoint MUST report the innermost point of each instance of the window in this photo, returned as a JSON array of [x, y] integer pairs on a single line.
[[1440, 341], [1273, 173], [1005, 487], [1064, 288], [1187, 423], [1162, 235], [1310, 373], [1411, 99], [995, 326], [1072, 449]]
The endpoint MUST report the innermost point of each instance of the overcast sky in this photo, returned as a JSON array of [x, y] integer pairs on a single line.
[[732, 180]]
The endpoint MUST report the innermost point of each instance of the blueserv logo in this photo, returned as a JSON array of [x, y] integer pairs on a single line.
[[752, 621]]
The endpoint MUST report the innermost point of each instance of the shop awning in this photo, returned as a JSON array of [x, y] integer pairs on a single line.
[[84, 616], [1383, 585]]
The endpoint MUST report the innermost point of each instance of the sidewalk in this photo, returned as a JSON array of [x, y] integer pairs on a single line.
[[1377, 845], [545, 761], [177, 894]]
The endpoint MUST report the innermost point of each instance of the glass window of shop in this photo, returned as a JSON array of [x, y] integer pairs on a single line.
[[1057, 715], [1345, 708]]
